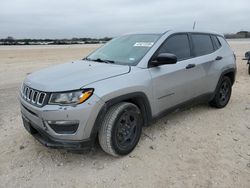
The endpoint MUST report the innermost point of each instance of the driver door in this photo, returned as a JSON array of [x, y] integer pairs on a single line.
[[174, 84]]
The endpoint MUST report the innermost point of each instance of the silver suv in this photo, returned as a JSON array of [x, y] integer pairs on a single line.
[[124, 85]]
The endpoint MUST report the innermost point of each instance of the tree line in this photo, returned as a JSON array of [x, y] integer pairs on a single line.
[[12, 41]]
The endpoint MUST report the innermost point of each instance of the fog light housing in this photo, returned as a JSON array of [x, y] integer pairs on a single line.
[[64, 127]]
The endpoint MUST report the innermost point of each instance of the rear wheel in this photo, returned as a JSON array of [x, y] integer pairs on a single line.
[[121, 129], [223, 93]]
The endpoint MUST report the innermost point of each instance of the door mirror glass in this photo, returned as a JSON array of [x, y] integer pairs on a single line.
[[164, 59]]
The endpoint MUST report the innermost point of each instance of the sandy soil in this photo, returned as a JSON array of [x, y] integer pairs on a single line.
[[196, 147]]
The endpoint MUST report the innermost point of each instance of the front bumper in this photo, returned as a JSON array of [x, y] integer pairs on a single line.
[[35, 120], [48, 141]]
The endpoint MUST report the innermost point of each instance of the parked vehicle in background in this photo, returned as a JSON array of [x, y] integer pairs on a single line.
[[247, 57], [122, 86]]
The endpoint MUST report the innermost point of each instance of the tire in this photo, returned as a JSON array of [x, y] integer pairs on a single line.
[[223, 93], [121, 129], [249, 69]]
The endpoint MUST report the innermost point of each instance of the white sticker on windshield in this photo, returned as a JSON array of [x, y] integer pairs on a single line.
[[144, 44]]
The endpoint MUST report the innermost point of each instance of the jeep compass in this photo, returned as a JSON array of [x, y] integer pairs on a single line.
[[124, 85]]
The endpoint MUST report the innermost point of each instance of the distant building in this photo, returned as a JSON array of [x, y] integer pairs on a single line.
[[242, 34]]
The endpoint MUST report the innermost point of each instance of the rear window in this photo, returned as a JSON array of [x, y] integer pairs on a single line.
[[202, 44], [216, 42]]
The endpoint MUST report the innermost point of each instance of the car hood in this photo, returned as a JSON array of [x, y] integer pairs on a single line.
[[72, 76]]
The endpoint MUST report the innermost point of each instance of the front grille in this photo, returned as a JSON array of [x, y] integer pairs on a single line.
[[35, 97]]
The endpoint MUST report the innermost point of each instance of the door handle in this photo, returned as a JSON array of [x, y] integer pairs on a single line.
[[218, 58], [190, 66]]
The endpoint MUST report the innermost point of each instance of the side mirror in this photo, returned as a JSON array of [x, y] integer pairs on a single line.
[[164, 59]]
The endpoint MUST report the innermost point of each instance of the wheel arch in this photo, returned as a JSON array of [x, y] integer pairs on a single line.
[[231, 73], [138, 98]]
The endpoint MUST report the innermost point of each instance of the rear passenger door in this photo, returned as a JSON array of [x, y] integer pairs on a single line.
[[205, 58], [176, 83]]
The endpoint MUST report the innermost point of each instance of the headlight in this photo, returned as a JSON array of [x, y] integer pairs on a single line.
[[72, 97]]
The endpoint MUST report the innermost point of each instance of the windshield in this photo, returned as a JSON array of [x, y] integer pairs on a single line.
[[125, 50]]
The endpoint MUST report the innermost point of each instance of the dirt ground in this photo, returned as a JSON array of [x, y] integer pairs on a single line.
[[196, 147]]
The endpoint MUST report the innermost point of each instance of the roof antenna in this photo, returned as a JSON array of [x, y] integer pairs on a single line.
[[194, 25]]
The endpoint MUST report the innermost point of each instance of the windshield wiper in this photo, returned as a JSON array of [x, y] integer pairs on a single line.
[[104, 61], [101, 60]]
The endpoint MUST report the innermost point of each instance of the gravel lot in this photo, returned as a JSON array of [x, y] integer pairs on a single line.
[[195, 147]]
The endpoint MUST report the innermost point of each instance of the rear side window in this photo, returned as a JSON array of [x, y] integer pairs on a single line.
[[216, 42], [202, 44], [178, 45]]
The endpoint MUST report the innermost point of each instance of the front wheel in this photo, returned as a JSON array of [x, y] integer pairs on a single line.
[[121, 129], [223, 93]]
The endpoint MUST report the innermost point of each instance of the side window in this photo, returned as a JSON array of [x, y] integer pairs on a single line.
[[178, 45], [202, 44], [216, 42]]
